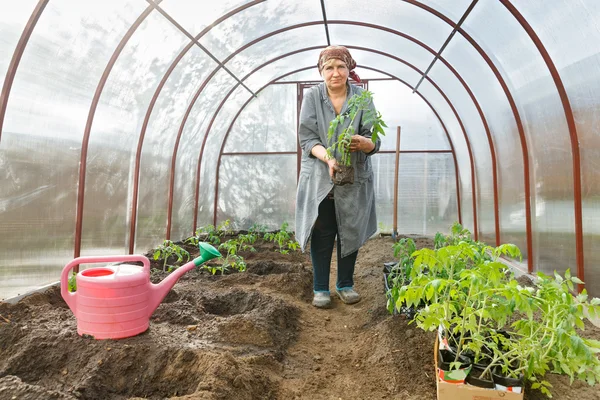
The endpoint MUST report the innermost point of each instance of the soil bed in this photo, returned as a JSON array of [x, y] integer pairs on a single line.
[[251, 335]]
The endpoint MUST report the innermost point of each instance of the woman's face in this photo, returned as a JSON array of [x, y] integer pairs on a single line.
[[335, 74]]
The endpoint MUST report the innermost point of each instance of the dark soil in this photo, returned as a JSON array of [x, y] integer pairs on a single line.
[[250, 335]]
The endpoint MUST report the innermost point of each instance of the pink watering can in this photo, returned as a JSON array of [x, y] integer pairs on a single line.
[[116, 301]]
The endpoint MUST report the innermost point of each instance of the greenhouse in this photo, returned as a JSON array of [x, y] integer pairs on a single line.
[[190, 144]]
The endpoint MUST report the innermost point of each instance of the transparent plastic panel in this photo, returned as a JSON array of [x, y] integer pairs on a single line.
[[570, 33], [460, 147], [191, 142], [420, 128], [303, 76], [546, 130], [117, 128], [277, 45], [267, 124], [194, 16], [426, 193], [260, 20], [13, 19], [257, 190], [471, 119], [190, 146], [41, 139], [453, 9], [280, 68], [353, 35], [193, 139], [507, 143], [401, 16]]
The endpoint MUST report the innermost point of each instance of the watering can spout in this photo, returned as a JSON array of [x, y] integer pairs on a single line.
[[159, 291]]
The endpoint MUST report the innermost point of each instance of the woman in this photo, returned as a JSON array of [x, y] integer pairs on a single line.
[[324, 211]]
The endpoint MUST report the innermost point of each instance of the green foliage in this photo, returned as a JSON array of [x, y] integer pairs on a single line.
[[168, 249], [257, 229], [73, 282], [283, 238], [357, 104], [472, 297], [210, 234]]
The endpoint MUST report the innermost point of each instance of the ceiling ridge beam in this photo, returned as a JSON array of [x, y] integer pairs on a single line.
[[448, 39]]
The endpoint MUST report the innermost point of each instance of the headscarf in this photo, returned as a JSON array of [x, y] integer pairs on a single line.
[[339, 53]]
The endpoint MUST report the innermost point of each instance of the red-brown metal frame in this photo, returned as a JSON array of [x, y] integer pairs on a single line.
[[16, 58], [577, 181], [157, 92], [408, 37], [564, 98], [516, 115], [88, 127], [303, 69]]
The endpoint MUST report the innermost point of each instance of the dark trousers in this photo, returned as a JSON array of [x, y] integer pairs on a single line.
[[321, 251]]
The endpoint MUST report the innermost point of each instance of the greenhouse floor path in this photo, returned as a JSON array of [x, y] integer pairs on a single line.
[[251, 335]]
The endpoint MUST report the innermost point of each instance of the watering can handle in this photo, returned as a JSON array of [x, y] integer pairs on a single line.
[[64, 277]]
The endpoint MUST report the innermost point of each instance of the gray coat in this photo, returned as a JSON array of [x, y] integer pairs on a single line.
[[354, 204]]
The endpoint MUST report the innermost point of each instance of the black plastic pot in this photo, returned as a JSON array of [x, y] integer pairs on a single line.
[[500, 379], [474, 378], [409, 312], [446, 357]]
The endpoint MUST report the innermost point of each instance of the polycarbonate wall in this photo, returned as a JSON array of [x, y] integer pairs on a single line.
[[121, 90]]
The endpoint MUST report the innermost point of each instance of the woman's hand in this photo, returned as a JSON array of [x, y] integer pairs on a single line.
[[361, 143], [333, 166]]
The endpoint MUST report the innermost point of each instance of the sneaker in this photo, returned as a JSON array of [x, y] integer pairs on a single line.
[[322, 300], [348, 295]]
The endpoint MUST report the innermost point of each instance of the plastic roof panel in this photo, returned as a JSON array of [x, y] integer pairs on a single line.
[[194, 16], [276, 46], [402, 16], [257, 190], [280, 68], [453, 9], [12, 22], [460, 147], [569, 30], [546, 127], [426, 187], [268, 123], [494, 103], [383, 41], [193, 143], [398, 105], [257, 21], [480, 146], [214, 144]]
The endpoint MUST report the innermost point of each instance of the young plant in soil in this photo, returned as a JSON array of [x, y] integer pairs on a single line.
[[210, 234], [359, 106], [283, 238], [168, 249], [473, 298]]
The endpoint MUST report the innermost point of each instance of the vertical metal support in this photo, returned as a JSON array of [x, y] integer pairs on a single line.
[[396, 169], [299, 96]]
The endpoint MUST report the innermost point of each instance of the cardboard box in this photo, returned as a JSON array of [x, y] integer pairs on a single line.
[[461, 391]]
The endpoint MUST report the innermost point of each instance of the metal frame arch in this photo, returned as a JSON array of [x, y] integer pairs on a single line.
[[562, 92], [361, 48], [362, 66], [16, 58], [516, 115], [89, 122], [157, 92], [473, 183], [374, 26]]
